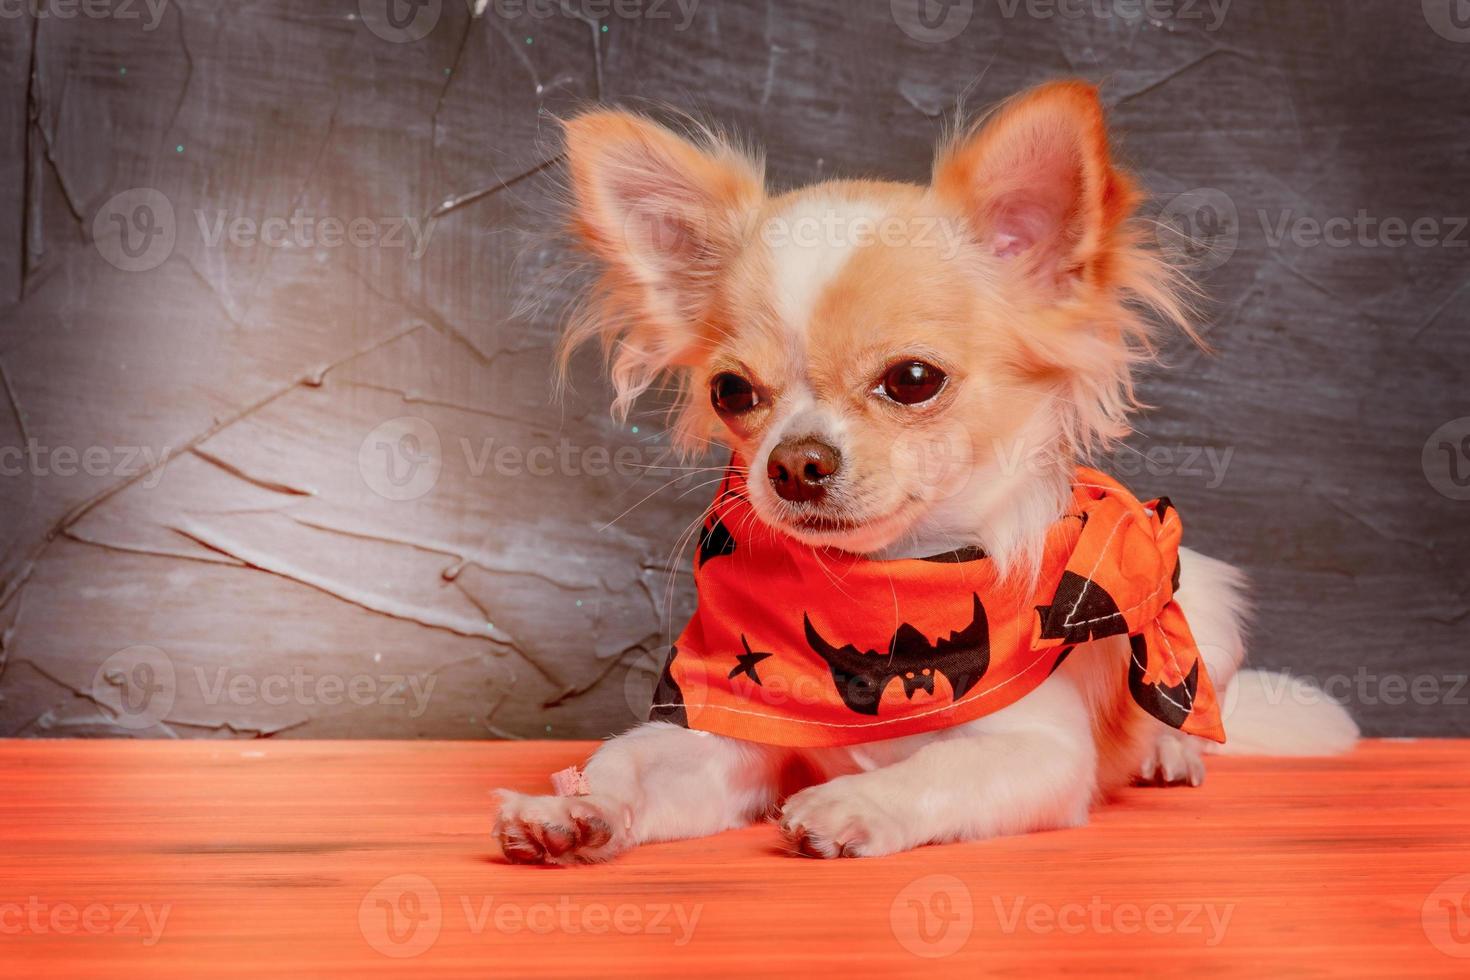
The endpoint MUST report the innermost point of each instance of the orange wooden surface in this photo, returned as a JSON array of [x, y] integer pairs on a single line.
[[289, 858]]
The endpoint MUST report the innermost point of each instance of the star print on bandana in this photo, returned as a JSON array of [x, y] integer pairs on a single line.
[[747, 662]]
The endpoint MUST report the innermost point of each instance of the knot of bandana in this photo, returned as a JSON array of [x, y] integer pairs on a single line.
[[797, 646]]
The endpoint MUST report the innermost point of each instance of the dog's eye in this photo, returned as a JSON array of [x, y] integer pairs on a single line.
[[731, 394], [912, 382]]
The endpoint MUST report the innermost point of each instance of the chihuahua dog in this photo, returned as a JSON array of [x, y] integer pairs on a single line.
[[998, 311]]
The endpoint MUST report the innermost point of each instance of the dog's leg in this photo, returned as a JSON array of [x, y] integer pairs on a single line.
[[657, 782], [1031, 766]]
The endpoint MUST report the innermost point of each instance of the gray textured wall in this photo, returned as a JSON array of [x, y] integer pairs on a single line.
[[304, 478]]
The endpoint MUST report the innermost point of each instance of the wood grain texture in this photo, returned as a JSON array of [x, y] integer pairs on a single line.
[[258, 544], [288, 858]]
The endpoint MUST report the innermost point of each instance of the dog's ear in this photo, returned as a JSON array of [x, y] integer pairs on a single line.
[[663, 214], [1037, 186]]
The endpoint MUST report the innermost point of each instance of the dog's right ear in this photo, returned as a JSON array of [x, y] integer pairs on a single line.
[[663, 214]]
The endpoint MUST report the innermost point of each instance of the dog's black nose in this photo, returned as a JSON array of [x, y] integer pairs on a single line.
[[801, 468]]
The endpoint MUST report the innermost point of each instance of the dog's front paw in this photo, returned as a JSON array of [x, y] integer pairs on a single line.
[[559, 829], [841, 819], [1172, 760]]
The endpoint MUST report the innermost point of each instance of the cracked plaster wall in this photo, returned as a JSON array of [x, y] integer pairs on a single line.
[[235, 395]]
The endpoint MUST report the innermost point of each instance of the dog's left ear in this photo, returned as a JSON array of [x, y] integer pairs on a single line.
[[1037, 185]]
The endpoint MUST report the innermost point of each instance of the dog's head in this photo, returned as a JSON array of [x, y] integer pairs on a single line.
[[885, 357]]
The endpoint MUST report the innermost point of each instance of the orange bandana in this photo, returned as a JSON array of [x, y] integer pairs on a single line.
[[797, 646]]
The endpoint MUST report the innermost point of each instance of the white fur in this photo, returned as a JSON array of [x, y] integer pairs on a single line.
[[1274, 714], [810, 243]]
